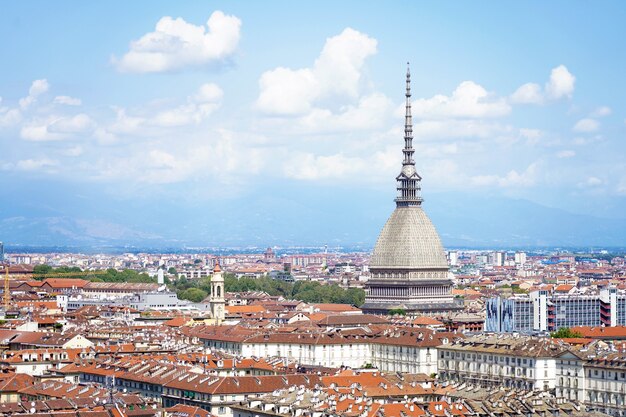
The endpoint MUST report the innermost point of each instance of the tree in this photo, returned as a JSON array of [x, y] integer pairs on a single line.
[[193, 294], [397, 312], [172, 271], [565, 333]]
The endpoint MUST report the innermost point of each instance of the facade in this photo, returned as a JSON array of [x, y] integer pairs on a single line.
[[411, 350], [492, 361], [541, 311], [409, 269], [598, 382]]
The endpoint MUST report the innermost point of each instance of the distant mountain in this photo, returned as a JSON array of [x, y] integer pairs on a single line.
[[293, 216]]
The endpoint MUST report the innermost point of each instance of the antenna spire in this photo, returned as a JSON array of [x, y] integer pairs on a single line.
[[408, 180]]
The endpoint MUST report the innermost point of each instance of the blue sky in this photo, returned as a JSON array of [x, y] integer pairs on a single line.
[[112, 107]]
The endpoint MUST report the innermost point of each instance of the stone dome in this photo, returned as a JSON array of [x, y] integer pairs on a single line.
[[408, 241]]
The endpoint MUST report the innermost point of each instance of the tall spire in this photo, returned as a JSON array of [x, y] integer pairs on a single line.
[[408, 181], [408, 122]]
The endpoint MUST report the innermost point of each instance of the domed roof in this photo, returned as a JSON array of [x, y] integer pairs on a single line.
[[408, 240]]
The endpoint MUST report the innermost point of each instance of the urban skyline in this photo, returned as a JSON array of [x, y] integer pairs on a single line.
[[127, 141]]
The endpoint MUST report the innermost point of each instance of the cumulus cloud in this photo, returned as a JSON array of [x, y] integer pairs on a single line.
[[56, 128], [198, 106], [67, 100], [586, 125], [336, 72], [560, 85], [529, 93], [37, 88], [176, 44], [469, 100]]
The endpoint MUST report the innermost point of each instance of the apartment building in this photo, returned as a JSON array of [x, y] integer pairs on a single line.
[[501, 360], [392, 349]]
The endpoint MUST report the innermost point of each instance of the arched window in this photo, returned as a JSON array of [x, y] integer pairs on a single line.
[[219, 291]]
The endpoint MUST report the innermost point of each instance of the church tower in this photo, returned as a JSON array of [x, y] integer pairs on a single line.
[[217, 301], [409, 269]]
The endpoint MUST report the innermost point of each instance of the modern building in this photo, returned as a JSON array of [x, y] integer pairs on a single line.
[[408, 267], [542, 311]]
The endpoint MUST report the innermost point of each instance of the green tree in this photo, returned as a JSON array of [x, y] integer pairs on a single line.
[[193, 294], [397, 312], [565, 333]]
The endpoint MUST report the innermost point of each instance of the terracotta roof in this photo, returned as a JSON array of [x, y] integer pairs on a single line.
[[427, 321], [336, 307], [65, 282]]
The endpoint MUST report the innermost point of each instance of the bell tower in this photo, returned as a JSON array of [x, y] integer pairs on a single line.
[[217, 301]]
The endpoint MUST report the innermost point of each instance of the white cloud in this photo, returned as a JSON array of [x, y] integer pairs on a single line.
[[198, 106], [370, 112], [601, 111], [513, 178], [586, 125], [176, 44], [67, 100], [529, 93], [560, 85], [532, 136], [336, 72], [34, 164], [469, 100], [216, 155], [316, 167], [9, 117], [57, 128], [565, 154], [591, 182], [37, 88]]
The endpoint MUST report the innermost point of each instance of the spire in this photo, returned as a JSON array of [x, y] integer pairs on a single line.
[[408, 122], [408, 181]]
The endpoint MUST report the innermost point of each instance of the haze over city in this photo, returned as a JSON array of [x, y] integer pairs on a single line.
[[235, 123]]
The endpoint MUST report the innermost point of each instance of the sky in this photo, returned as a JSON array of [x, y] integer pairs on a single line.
[[135, 115]]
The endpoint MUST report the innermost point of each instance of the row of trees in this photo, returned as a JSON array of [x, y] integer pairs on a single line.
[[307, 291], [42, 272], [198, 290]]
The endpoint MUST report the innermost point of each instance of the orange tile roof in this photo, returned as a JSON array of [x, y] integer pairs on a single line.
[[245, 309]]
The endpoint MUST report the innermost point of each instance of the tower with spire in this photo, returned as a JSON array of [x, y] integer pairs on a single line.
[[409, 180], [409, 269], [217, 301]]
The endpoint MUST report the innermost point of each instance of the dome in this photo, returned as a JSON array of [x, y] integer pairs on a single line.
[[408, 240]]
